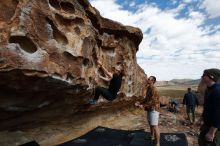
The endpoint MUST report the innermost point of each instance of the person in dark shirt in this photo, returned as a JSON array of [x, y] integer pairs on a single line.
[[115, 80], [190, 100], [174, 105], [210, 130]]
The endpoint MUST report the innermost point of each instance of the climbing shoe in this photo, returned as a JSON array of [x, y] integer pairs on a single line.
[[92, 102]]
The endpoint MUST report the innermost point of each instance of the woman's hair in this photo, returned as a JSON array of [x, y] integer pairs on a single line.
[[122, 73], [119, 67], [154, 78]]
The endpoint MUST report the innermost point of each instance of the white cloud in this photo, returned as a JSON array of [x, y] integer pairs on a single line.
[[172, 48], [178, 9], [174, 2], [132, 4], [187, 1], [190, 1], [212, 7]]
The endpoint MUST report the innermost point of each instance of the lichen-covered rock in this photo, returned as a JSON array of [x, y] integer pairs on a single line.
[[48, 58]]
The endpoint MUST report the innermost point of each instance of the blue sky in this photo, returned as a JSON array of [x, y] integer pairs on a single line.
[[181, 37]]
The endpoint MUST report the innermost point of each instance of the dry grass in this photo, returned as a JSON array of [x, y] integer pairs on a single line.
[[170, 92], [174, 91]]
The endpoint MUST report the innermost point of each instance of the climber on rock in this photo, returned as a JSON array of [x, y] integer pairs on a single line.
[[115, 79]]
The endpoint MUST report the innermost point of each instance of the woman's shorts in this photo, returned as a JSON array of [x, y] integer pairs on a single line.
[[153, 117]]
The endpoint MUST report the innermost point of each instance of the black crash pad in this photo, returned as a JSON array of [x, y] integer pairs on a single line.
[[31, 143], [102, 136]]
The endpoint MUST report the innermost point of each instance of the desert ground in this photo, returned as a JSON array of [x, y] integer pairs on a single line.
[[129, 118]]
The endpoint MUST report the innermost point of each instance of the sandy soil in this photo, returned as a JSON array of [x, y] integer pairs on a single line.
[[62, 130]]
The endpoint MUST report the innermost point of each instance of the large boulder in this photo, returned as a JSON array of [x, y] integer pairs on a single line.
[[48, 59]]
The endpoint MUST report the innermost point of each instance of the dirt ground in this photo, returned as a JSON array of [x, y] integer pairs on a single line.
[[62, 130]]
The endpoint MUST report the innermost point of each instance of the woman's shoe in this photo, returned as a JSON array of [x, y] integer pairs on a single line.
[[149, 137], [92, 102]]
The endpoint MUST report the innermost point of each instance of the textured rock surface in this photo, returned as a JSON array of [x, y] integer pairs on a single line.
[[48, 59], [201, 92]]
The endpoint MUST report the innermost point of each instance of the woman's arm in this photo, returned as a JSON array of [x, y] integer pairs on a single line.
[[107, 73], [105, 78]]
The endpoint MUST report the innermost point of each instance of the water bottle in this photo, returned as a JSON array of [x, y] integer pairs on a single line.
[[174, 118]]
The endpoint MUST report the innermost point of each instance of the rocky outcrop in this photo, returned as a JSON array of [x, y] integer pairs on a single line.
[[48, 59], [201, 92]]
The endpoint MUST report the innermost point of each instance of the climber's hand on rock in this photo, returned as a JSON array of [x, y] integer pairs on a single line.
[[99, 63]]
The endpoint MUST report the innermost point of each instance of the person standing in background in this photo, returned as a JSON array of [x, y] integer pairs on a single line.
[[191, 101]]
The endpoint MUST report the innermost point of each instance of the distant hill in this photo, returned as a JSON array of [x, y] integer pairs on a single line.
[[174, 82]]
